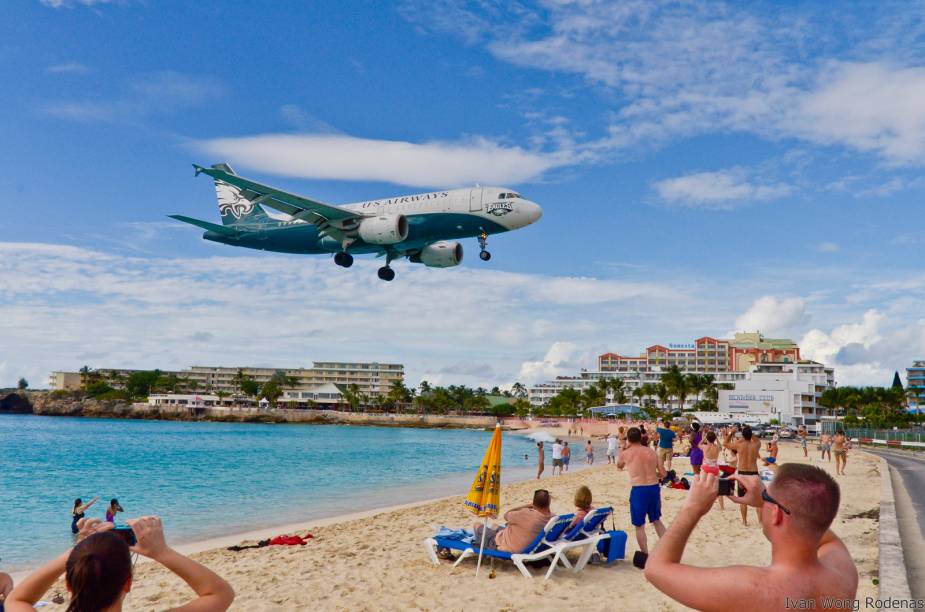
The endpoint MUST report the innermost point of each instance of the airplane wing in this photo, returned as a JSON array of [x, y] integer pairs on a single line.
[[298, 207]]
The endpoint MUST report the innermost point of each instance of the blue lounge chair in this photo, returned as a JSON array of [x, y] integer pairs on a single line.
[[586, 534], [541, 547]]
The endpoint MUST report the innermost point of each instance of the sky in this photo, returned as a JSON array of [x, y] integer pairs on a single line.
[[703, 167]]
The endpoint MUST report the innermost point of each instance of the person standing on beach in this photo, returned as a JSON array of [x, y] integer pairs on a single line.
[[825, 445], [542, 460], [841, 453], [803, 435], [710, 449], [566, 456], [665, 445], [645, 494], [611, 449], [621, 434], [557, 456], [810, 566], [747, 449], [77, 512], [696, 454], [589, 453]]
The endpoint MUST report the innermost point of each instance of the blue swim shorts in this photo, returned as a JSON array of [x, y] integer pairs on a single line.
[[645, 500], [771, 459]]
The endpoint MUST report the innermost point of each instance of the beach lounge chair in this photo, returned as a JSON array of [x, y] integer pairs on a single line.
[[586, 534], [543, 546]]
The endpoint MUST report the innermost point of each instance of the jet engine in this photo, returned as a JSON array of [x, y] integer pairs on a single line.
[[442, 254], [384, 229]]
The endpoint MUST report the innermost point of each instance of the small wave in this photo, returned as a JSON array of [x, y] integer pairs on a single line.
[[541, 436]]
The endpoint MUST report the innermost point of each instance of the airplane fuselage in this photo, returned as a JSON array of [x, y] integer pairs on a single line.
[[440, 215]]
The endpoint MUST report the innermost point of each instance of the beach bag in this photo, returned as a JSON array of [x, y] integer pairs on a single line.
[[614, 547], [639, 559]]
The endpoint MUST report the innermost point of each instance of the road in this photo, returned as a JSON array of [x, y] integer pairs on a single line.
[[910, 512]]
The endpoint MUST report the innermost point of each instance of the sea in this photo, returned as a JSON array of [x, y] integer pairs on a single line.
[[214, 479]]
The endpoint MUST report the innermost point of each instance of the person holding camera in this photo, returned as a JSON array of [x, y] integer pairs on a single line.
[[809, 563], [98, 570]]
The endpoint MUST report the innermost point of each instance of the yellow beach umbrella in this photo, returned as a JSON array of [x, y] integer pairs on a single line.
[[484, 498]]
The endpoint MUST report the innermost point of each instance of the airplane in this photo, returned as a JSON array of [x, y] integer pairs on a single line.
[[423, 227]]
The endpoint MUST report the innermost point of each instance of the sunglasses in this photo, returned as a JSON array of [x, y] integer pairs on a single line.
[[767, 498]]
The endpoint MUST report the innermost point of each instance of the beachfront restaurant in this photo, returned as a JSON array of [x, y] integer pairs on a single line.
[[321, 397]]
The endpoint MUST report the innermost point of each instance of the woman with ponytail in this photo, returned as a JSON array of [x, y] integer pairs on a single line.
[[98, 571]]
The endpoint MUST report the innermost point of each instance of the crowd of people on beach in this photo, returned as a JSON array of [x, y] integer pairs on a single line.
[[794, 503]]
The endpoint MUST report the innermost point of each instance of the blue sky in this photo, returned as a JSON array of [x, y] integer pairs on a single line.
[[703, 168]]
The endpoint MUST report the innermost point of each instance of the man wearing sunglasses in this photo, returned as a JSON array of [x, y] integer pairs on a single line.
[[808, 561]]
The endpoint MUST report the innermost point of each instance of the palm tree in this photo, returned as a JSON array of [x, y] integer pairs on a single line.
[[519, 390], [663, 393]]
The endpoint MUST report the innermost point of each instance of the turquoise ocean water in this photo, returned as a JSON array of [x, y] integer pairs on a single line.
[[212, 479]]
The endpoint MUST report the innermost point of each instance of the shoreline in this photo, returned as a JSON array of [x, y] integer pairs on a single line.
[[414, 493]]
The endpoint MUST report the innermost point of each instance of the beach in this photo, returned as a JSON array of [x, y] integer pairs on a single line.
[[377, 561]]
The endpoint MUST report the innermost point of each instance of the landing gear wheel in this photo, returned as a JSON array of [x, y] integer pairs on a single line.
[[484, 255], [386, 273], [343, 259]]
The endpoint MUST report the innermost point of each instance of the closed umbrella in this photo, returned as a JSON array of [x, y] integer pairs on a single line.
[[484, 498]]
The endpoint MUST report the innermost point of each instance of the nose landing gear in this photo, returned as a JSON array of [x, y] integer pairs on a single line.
[[484, 255]]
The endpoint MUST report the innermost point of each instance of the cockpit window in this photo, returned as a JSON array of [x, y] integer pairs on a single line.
[[509, 196]]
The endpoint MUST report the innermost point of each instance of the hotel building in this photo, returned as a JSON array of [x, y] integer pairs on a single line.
[[371, 378], [915, 386], [788, 392], [706, 355]]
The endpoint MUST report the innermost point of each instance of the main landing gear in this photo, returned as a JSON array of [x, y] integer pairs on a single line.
[[386, 273], [484, 255], [343, 259]]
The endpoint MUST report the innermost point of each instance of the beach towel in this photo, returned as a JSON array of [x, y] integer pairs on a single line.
[[613, 547], [293, 540], [463, 535]]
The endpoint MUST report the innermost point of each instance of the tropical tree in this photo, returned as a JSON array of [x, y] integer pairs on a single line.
[[398, 394], [271, 391], [140, 383], [521, 407], [23, 384], [351, 395], [519, 390], [663, 393]]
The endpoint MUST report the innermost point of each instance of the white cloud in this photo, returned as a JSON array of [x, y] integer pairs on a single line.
[[870, 106], [62, 306], [428, 164], [683, 69], [828, 247], [773, 315], [73, 3], [146, 94], [68, 68], [558, 361], [716, 190]]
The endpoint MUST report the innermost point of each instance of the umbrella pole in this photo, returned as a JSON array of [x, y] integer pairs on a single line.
[[481, 548]]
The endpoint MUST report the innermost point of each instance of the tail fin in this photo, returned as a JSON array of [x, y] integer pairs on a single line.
[[237, 205]]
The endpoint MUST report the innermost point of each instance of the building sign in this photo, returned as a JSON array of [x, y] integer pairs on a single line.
[[750, 398], [682, 346]]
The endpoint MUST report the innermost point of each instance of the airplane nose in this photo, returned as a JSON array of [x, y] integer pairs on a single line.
[[534, 212]]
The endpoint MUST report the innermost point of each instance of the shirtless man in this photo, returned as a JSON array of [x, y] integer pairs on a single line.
[[809, 564], [541, 465], [645, 495], [841, 453], [771, 459], [747, 465], [825, 445]]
